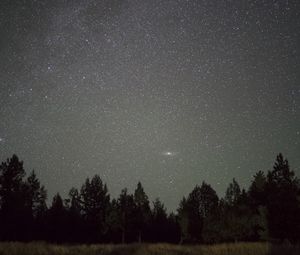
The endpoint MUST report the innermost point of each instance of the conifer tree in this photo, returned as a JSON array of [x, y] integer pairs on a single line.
[[159, 222], [127, 215], [142, 212], [12, 199], [56, 220], [283, 201], [95, 207]]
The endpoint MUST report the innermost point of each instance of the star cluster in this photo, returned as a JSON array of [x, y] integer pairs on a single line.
[[169, 93]]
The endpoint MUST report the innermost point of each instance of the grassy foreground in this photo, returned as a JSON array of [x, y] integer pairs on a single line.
[[12, 248]]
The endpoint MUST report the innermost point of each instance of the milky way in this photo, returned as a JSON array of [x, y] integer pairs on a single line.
[[169, 93]]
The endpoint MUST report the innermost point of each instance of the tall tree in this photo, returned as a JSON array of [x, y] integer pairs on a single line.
[[114, 222], [159, 222], [75, 202], [173, 229], [195, 218], [127, 215], [208, 200], [283, 201], [40, 214], [36, 194], [142, 212], [56, 220], [257, 189], [233, 193], [74, 216], [193, 211], [12, 198], [239, 218], [34, 198], [95, 206], [208, 209], [183, 220], [257, 201]]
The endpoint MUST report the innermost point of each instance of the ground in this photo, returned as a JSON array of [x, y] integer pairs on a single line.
[[39, 248]]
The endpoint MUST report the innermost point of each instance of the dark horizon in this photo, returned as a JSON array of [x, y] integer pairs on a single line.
[[269, 211]]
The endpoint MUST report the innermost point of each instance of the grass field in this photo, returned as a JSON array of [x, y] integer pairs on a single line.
[[148, 249]]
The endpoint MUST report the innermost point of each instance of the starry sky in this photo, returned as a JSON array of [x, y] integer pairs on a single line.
[[169, 93]]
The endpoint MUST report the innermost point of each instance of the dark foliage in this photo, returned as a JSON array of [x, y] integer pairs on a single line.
[[269, 210]]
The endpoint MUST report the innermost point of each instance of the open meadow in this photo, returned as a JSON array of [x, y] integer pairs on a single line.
[[12, 248]]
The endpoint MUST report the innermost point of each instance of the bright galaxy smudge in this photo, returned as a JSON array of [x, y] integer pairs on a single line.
[[169, 153]]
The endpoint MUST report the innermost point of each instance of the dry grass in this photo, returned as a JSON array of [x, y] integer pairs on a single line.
[[11, 248]]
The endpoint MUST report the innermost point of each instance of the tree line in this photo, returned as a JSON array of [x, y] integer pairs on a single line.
[[268, 210]]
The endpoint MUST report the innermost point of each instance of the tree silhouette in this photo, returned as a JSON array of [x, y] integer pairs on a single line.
[[95, 207], [159, 222], [40, 214], [233, 193], [201, 203], [56, 220], [127, 215], [74, 221], [36, 194], [257, 189], [183, 220], [195, 218], [12, 198], [283, 201], [142, 212], [257, 200], [35, 203], [173, 234], [269, 210], [208, 200], [115, 232]]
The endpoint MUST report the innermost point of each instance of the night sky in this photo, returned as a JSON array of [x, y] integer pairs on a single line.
[[169, 93]]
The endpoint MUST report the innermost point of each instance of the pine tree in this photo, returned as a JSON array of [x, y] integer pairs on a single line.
[[195, 218], [159, 222], [34, 198], [127, 215], [12, 201], [257, 201], [56, 220], [95, 207], [74, 216], [208, 208], [193, 212], [208, 200], [114, 222], [183, 220], [40, 213], [257, 189], [282, 201], [173, 229], [233, 193], [36, 194], [142, 211]]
